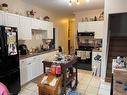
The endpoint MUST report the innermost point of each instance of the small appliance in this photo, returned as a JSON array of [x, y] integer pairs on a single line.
[[23, 49]]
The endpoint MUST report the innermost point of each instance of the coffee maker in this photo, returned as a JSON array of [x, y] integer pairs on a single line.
[[23, 49]]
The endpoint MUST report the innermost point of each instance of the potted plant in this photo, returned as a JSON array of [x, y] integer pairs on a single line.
[[46, 18], [4, 7]]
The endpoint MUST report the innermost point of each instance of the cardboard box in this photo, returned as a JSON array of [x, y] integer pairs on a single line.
[[120, 82], [49, 90]]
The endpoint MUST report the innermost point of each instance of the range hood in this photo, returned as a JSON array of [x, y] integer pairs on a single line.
[[86, 34]]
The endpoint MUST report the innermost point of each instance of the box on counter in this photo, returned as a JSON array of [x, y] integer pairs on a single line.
[[120, 82]]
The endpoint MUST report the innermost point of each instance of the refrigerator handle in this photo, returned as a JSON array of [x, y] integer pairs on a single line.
[[5, 43]]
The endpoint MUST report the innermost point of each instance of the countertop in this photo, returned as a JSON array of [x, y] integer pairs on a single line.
[[96, 50], [35, 54]]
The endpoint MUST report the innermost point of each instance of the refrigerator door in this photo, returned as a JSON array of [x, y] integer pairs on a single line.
[[11, 40], [9, 60], [12, 81], [3, 50]]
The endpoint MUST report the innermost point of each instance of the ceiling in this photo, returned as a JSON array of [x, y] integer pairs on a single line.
[[61, 6]]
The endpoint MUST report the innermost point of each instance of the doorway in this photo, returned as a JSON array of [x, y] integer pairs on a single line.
[[117, 40]]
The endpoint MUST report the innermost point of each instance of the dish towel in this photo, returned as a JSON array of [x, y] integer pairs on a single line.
[[88, 54]]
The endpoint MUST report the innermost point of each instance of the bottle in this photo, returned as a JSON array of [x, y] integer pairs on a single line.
[[53, 69], [95, 18], [58, 70]]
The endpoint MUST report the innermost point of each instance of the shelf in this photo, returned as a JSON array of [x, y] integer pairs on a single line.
[[68, 80]]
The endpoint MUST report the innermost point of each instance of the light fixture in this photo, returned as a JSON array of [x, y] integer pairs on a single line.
[[70, 3], [77, 2], [74, 1]]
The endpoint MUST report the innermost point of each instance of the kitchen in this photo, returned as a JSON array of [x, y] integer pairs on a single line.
[[35, 30]]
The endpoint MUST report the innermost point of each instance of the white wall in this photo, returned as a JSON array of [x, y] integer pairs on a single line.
[[89, 14], [21, 6], [111, 6]]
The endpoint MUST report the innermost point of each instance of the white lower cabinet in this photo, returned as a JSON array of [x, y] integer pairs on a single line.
[[25, 71], [29, 63], [30, 68]]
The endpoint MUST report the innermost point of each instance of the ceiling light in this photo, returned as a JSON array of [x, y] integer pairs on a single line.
[[74, 2], [77, 2], [87, 0], [70, 3]]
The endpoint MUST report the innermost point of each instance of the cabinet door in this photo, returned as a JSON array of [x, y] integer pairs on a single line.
[[99, 29], [29, 69], [23, 72], [11, 20], [82, 27], [45, 25], [91, 26], [36, 24], [35, 68], [1, 18], [40, 66], [25, 32], [50, 30]]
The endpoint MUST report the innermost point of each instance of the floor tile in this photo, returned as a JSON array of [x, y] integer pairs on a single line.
[[26, 92], [88, 85], [104, 92], [92, 90]]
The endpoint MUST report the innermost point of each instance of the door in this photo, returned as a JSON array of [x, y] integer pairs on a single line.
[[63, 36], [69, 47]]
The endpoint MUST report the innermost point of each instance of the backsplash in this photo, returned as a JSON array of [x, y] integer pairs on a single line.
[[36, 41]]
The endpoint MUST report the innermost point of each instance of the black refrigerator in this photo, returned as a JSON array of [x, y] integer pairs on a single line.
[[9, 59]]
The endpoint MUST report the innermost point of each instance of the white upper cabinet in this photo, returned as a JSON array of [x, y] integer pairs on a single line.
[[1, 18], [25, 25], [95, 26], [45, 25], [99, 29], [25, 28], [82, 27], [11, 20], [36, 24], [50, 30]]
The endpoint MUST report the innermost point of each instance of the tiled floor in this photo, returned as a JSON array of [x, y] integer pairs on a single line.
[[91, 85], [88, 85]]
